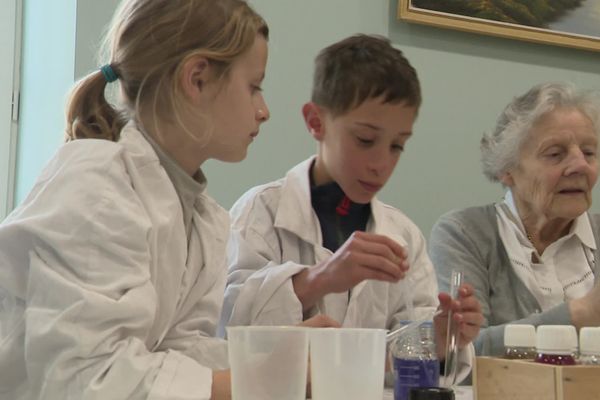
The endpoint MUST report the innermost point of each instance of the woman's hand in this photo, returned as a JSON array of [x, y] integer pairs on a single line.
[[585, 311], [466, 312]]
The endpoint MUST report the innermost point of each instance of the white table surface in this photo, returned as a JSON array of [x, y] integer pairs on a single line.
[[460, 393]]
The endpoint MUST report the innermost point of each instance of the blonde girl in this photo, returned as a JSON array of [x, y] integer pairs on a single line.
[[112, 269]]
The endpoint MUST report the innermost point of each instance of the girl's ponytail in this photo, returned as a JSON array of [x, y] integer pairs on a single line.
[[89, 115]]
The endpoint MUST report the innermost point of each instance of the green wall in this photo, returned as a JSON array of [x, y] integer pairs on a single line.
[[466, 78]]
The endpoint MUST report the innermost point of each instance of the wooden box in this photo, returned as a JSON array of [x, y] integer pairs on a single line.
[[500, 379]]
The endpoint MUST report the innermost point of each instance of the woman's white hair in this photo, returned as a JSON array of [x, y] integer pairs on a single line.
[[500, 149]]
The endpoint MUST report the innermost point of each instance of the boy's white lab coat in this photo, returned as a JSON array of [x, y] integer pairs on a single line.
[[275, 234], [101, 296]]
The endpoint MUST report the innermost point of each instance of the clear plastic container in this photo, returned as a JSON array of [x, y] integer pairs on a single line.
[[589, 346], [519, 342], [556, 344], [415, 361]]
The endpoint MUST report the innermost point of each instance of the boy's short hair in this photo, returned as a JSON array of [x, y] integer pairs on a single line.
[[362, 67]]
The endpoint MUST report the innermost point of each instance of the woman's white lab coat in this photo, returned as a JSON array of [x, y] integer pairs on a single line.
[[275, 234], [101, 295]]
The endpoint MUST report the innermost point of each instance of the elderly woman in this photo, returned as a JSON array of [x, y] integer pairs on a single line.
[[531, 257]]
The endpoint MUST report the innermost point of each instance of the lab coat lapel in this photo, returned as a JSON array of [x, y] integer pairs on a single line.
[[295, 213], [154, 186]]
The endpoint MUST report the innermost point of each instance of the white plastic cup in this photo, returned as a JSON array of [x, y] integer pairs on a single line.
[[268, 362], [347, 363]]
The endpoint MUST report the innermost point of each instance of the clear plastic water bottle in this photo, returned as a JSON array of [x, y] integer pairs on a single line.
[[415, 361]]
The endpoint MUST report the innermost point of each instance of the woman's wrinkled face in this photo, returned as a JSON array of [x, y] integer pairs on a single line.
[[558, 167]]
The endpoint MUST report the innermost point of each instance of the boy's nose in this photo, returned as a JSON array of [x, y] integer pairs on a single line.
[[379, 165]]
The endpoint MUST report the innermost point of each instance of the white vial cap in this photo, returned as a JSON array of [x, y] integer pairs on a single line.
[[519, 335], [589, 340], [556, 339]]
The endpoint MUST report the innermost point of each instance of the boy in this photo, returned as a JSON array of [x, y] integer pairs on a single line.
[[318, 241]]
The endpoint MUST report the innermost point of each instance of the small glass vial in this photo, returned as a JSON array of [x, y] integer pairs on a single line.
[[589, 346], [556, 344], [519, 342], [415, 361]]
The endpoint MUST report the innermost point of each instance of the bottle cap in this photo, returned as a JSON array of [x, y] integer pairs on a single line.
[[519, 335], [589, 340], [556, 339], [430, 393]]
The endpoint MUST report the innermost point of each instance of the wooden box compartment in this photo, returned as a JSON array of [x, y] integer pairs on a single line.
[[501, 379]]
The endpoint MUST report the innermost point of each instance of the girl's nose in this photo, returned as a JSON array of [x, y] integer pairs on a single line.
[[262, 112]]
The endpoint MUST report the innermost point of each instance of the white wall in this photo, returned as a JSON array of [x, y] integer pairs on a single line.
[[61, 39], [47, 74], [9, 24], [466, 78]]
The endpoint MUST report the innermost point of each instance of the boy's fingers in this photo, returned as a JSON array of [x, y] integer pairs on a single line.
[[380, 264], [397, 250]]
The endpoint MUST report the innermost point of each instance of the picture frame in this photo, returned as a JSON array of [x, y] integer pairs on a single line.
[[423, 12]]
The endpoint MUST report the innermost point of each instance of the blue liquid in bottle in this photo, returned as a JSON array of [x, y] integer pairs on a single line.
[[415, 361], [414, 373]]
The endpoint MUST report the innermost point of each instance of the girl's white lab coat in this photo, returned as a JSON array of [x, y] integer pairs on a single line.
[[101, 295], [275, 234]]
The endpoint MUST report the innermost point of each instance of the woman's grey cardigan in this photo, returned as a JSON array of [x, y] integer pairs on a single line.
[[468, 240]]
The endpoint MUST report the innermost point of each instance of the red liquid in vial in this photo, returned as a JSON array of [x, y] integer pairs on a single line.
[[555, 359]]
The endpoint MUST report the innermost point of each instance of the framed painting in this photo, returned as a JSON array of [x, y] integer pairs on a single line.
[[572, 23]]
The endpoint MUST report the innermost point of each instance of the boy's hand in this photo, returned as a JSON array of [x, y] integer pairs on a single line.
[[363, 256], [466, 312]]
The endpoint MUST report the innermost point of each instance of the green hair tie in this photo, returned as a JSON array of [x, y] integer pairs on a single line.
[[109, 73]]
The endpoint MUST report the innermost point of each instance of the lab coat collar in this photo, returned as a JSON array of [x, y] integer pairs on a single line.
[[295, 212]]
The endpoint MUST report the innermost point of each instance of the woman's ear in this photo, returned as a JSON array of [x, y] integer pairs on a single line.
[[313, 118], [193, 76], [507, 179]]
